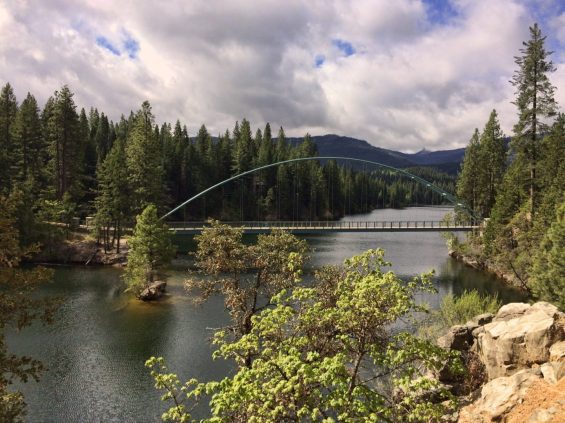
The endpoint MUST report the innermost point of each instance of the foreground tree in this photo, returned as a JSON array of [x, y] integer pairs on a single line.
[[325, 353], [18, 309], [246, 275], [151, 250]]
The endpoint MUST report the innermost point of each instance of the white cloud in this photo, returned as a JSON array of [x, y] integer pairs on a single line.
[[411, 82]]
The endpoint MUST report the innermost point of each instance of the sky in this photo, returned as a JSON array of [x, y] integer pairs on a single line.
[[402, 74]]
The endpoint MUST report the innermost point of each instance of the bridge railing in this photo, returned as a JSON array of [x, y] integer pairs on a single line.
[[329, 224]]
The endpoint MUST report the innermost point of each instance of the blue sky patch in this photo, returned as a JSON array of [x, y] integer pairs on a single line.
[[344, 46], [105, 43], [131, 45], [439, 12], [319, 60]]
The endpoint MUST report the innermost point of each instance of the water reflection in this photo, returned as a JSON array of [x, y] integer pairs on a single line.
[[96, 349]]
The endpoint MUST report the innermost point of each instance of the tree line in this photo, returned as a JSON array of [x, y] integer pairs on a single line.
[[520, 192], [70, 163]]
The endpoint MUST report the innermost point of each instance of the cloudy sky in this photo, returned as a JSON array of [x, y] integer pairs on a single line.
[[402, 74]]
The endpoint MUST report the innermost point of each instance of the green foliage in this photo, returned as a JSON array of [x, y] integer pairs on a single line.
[[113, 199], [151, 250], [535, 102], [468, 181], [19, 307], [246, 275], [457, 311], [144, 163], [324, 353], [548, 275]]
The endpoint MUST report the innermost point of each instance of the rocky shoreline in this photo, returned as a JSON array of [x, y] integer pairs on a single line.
[[84, 252]]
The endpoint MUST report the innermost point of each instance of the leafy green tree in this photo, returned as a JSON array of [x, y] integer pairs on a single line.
[[535, 102], [325, 353], [19, 307], [246, 275], [144, 162], [151, 250], [548, 276]]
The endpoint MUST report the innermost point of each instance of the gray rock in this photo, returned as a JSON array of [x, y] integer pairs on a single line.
[[153, 291]]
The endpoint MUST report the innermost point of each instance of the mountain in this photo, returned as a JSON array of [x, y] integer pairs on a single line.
[[339, 146]]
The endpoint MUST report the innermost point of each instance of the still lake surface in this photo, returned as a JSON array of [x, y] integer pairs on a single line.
[[96, 349]]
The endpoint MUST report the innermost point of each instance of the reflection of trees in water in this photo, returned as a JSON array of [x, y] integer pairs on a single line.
[[453, 277]]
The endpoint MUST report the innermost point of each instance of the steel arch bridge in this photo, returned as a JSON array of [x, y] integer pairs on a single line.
[[448, 196]]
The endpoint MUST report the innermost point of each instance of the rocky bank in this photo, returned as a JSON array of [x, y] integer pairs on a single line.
[[521, 354], [81, 251]]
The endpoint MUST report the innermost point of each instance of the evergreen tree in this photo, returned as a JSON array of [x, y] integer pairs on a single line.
[[64, 138], [548, 276], [535, 102], [29, 156], [151, 250], [469, 178], [112, 201], [8, 110], [144, 162], [492, 160]]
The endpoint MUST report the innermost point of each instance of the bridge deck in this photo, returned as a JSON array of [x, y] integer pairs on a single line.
[[312, 227]]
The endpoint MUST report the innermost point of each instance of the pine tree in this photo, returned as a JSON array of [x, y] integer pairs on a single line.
[[112, 202], [8, 110], [468, 181], [548, 276], [535, 102], [144, 162], [492, 158], [151, 250], [29, 156], [67, 150]]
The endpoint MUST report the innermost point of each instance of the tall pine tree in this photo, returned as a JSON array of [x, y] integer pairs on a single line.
[[535, 102]]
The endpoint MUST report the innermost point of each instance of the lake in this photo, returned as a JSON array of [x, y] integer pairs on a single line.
[[95, 351]]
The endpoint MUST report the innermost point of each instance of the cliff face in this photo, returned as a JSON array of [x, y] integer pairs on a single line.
[[521, 353]]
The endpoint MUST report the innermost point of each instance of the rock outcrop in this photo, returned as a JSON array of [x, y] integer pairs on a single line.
[[522, 349], [518, 337], [153, 292]]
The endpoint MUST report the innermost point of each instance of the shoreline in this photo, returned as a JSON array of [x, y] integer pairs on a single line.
[[475, 263], [83, 252]]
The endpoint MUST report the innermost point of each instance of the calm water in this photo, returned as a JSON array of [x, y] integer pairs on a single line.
[[96, 349]]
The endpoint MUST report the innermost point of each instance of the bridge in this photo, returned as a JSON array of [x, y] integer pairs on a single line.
[[309, 227], [318, 227]]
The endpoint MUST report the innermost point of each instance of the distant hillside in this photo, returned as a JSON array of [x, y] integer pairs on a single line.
[[334, 145]]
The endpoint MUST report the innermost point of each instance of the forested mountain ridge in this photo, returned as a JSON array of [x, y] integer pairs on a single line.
[[336, 145]]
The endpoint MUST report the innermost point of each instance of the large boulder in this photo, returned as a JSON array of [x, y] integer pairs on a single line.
[[153, 291], [518, 337], [499, 396]]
